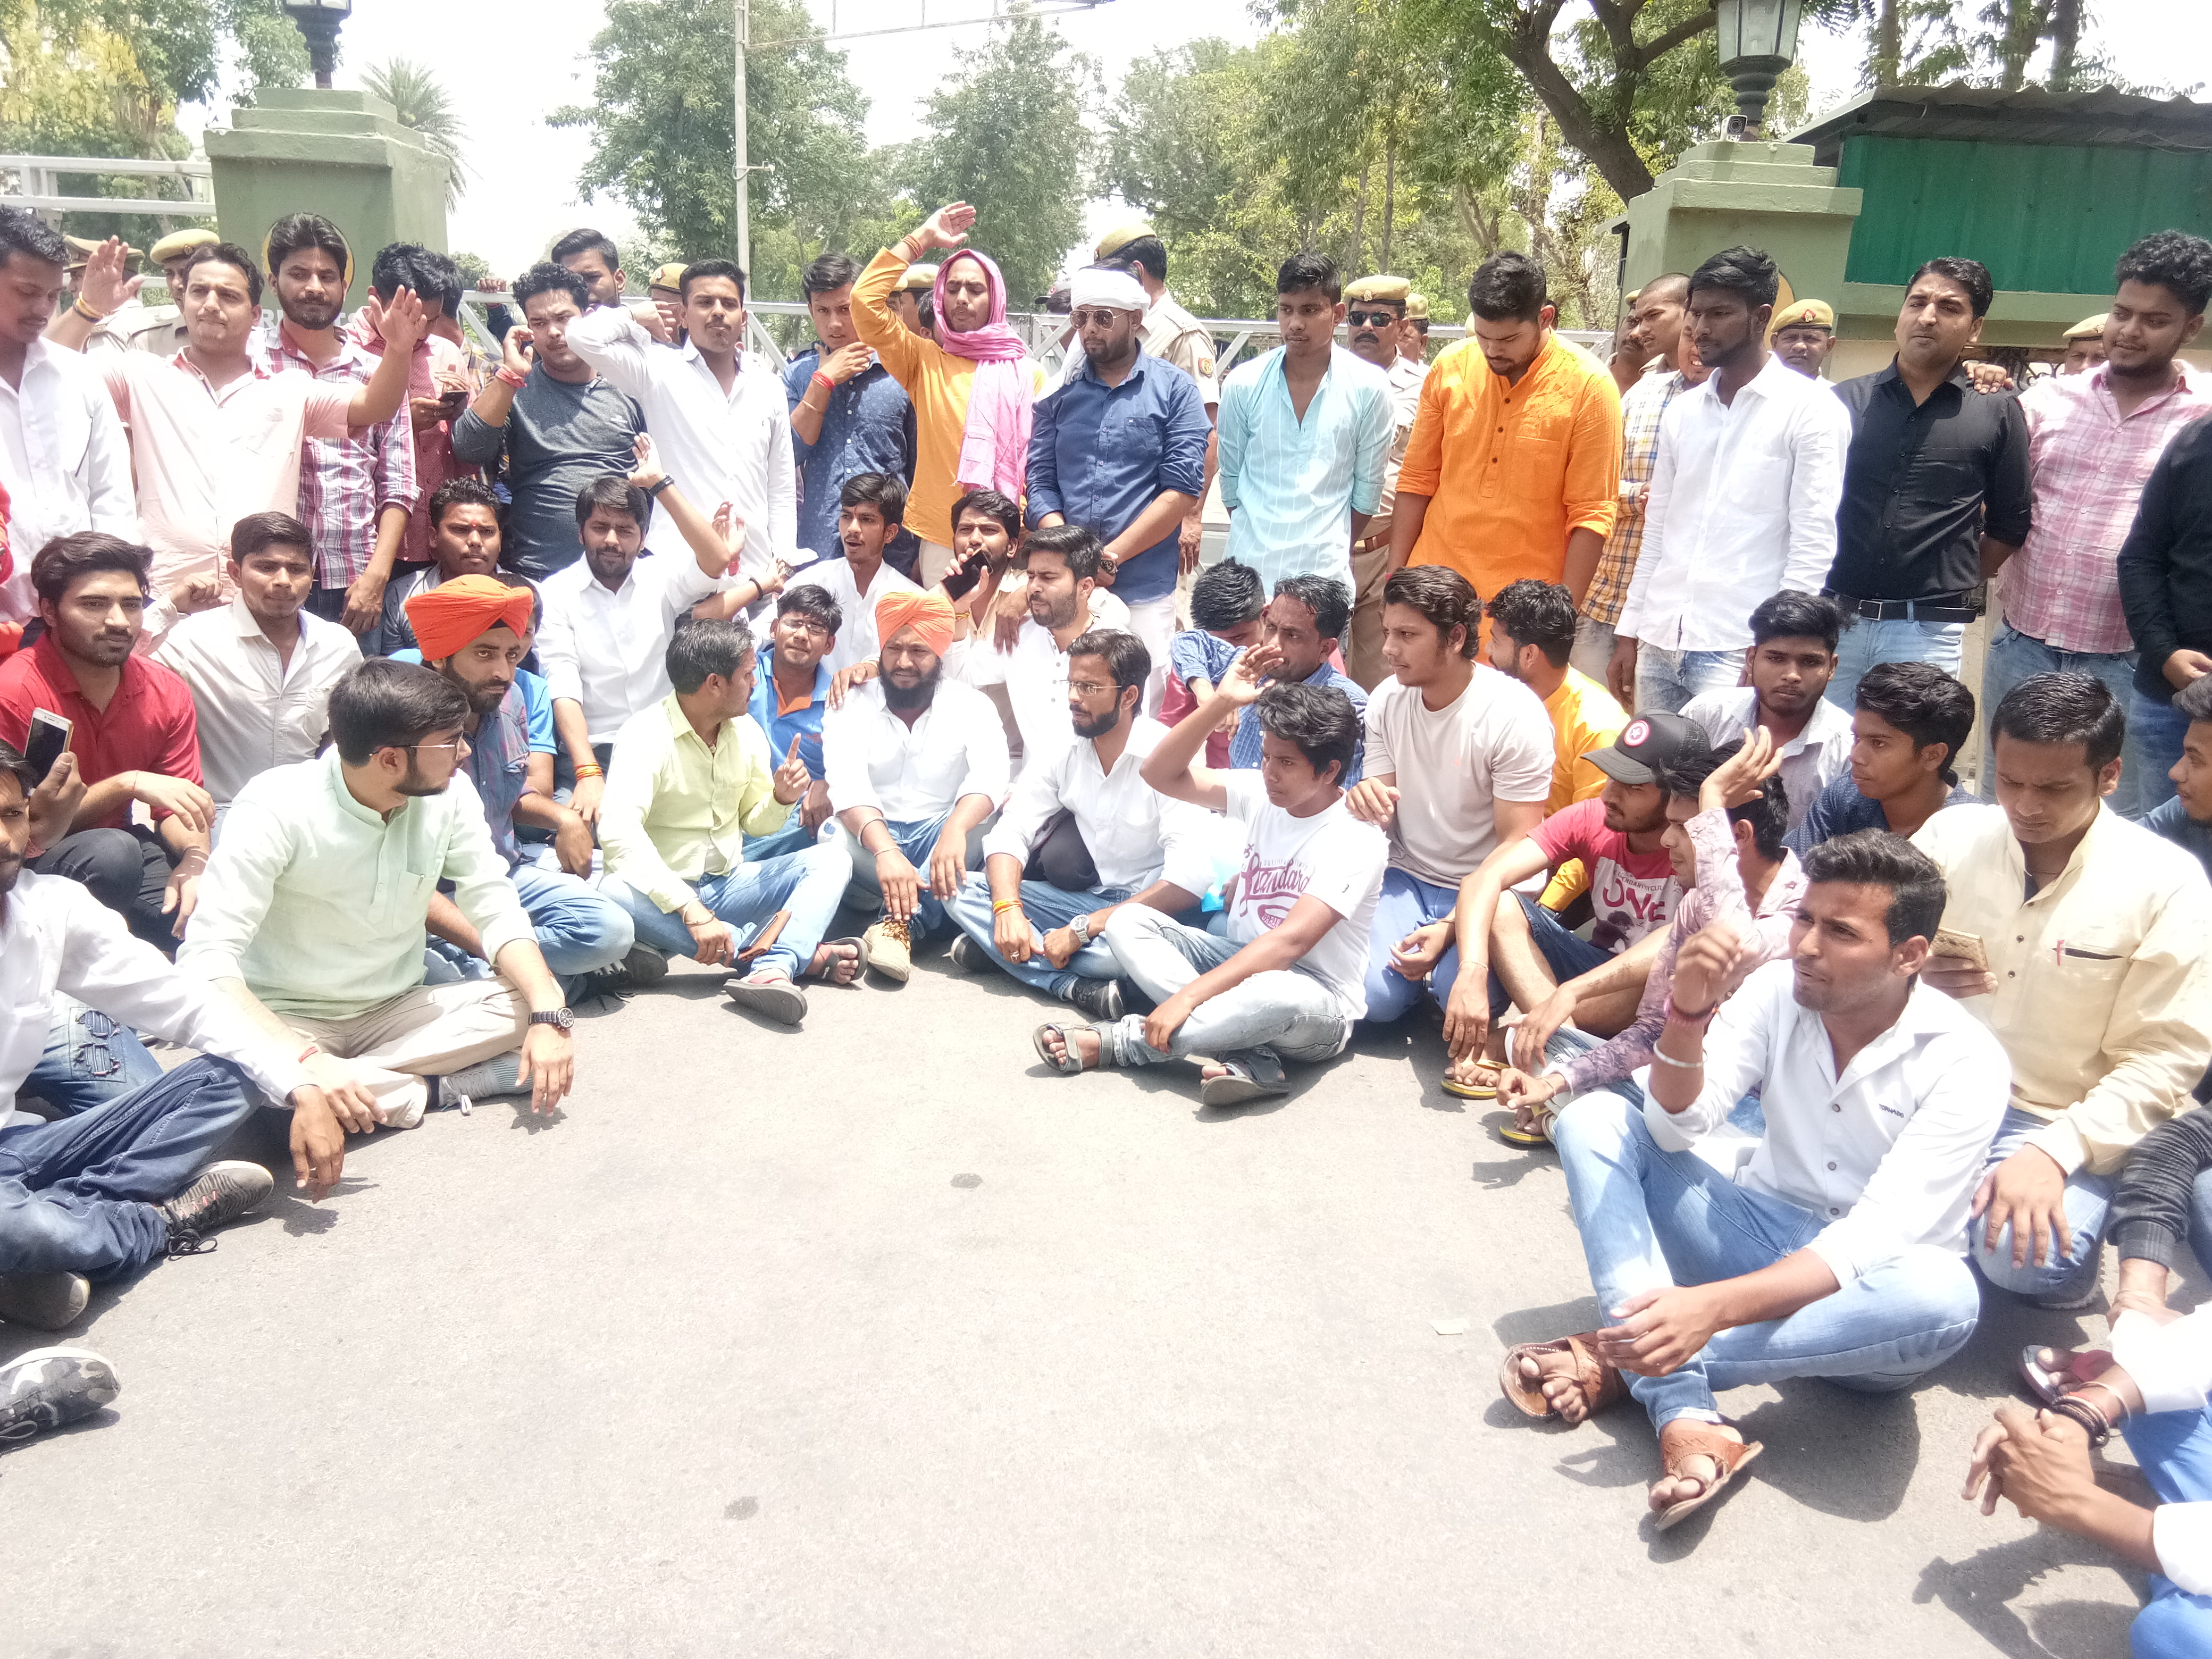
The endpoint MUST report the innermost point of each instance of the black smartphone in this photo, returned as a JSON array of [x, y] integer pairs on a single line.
[[49, 736]]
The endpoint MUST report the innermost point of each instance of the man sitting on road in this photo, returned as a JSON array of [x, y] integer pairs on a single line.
[[692, 778], [1305, 622], [1911, 721], [476, 631], [1793, 654], [314, 908], [2093, 937], [1510, 951], [1065, 602], [465, 541], [915, 763], [791, 693], [1459, 763], [1725, 812], [1083, 835], [1228, 612], [1532, 634], [1283, 981], [870, 506], [2186, 820], [1835, 1250]]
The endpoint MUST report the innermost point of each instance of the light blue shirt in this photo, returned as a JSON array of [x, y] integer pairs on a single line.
[[1292, 486]]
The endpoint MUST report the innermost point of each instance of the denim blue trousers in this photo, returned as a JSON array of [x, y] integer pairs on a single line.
[[89, 1060], [1867, 642], [2174, 1450], [1047, 906], [2014, 656], [2155, 729], [1665, 680], [2088, 1200], [1406, 903], [808, 884], [917, 840]]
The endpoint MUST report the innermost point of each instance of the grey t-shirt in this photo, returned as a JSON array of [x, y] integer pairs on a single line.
[[558, 437]]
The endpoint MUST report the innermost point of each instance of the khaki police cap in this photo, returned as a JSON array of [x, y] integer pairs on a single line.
[[1807, 314], [1417, 307], [920, 279], [1120, 236], [178, 243], [670, 276], [1390, 290], [2089, 328]]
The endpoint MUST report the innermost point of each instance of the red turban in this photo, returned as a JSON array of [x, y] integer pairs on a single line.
[[929, 615], [447, 617]]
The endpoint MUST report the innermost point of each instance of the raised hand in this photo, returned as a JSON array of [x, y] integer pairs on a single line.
[[947, 228], [792, 778], [646, 470], [106, 285], [1248, 675]]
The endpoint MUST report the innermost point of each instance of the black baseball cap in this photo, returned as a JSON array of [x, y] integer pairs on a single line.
[[1647, 743]]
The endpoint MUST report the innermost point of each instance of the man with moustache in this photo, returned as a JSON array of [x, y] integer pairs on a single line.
[[1792, 653], [593, 258], [356, 491], [1374, 319], [1043, 923], [1065, 602], [1304, 622], [870, 510], [1804, 336], [465, 541]]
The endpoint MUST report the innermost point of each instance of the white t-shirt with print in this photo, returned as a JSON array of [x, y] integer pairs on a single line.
[[1331, 856]]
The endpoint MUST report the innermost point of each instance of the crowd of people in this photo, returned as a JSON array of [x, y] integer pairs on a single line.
[[372, 699]]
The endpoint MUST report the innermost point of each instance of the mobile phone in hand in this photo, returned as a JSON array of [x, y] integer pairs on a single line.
[[49, 736]]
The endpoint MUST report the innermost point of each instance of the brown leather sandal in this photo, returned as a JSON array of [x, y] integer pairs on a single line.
[[1600, 1383], [1687, 1437]]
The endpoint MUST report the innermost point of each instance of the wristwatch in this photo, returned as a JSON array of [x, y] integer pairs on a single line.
[[1081, 928], [560, 1018]]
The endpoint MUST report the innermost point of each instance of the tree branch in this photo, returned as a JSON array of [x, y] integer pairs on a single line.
[[1687, 30]]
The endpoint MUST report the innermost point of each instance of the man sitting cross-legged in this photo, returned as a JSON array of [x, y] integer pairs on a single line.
[[916, 763], [1286, 982], [475, 632], [1112, 839], [692, 778], [1725, 813], [791, 693], [1910, 721], [1500, 949], [312, 913], [1836, 1248], [1793, 656], [99, 1194]]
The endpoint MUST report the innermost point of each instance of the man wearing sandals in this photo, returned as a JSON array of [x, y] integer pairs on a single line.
[[1288, 979], [1836, 1248], [692, 777]]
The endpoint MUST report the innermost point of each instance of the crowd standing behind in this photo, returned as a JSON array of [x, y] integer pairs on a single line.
[[367, 703]]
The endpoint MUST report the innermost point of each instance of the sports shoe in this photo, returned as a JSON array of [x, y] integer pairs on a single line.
[[223, 1193], [1101, 999], [500, 1075], [769, 993], [969, 957], [50, 1387], [45, 1302], [888, 947], [644, 965]]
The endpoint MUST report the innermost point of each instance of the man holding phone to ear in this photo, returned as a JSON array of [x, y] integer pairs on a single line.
[[2094, 974]]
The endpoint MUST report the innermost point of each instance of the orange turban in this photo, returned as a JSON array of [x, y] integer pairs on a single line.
[[929, 615], [447, 617]]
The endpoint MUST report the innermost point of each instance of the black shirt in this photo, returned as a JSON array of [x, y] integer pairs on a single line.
[[1923, 484], [2166, 563]]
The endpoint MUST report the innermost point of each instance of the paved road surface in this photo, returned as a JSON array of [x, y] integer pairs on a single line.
[[876, 1340]]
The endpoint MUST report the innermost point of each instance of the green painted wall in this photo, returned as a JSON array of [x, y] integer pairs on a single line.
[[1768, 194], [2045, 218]]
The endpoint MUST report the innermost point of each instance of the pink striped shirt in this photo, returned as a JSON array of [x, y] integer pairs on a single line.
[[345, 485], [2087, 466]]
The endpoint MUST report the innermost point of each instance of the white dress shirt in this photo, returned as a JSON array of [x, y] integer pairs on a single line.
[[732, 446], [55, 936], [65, 462], [607, 652], [255, 709], [1035, 674], [1135, 834], [856, 631], [870, 757], [1811, 761], [1888, 1154], [2172, 1363], [1742, 505]]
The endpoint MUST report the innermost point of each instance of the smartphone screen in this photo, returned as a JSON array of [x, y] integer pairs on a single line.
[[49, 736]]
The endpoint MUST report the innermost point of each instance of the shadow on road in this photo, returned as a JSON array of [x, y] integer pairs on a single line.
[[1981, 1589]]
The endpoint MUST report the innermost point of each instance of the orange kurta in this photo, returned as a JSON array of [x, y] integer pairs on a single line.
[[1511, 470]]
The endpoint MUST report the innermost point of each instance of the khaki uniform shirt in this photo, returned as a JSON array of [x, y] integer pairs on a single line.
[[1406, 378], [1173, 333]]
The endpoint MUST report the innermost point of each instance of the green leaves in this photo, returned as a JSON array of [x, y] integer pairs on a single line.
[[411, 90]]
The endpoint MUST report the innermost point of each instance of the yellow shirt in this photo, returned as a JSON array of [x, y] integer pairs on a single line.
[[2104, 997], [1511, 470], [1584, 717], [937, 383], [675, 809]]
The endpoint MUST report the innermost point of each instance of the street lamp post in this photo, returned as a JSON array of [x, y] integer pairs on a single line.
[[1757, 40], [318, 19], [740, 177]]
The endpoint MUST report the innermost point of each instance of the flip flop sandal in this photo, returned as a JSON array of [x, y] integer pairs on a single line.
[[776, 998], [1600, 1383], [1488, 1090], [2047, 1386], [859, 958], [1066, 1062], [1513, 1134], [1242, 1083], [1694, 1439]]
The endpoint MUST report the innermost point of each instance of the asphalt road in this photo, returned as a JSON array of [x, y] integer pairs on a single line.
[[878, 1339]]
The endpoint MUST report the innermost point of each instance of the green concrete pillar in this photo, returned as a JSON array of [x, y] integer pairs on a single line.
[[342, 155], [1768, 195]]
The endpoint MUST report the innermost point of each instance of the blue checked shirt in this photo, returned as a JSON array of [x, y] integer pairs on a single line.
[[1292, 486], [1100, 455]]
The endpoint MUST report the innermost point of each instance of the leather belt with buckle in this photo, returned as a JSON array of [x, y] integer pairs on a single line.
[[1944, 608]]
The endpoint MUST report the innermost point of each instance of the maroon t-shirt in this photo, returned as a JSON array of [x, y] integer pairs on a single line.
[[149, 725]]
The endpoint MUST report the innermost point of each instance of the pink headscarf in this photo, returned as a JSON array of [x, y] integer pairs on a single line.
[[995, 448]]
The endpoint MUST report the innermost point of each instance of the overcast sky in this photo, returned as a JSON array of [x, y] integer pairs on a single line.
[[511, 65]]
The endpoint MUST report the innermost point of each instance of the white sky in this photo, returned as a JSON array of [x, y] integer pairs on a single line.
[[510, 66]]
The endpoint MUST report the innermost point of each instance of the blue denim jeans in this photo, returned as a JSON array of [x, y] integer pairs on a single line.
[[1649, 1218], [1406, 903], [808, 884], [76, 1195], [1047, 906], [917, 840], [1290, 1015], [2174, 1450], [579, 929], [1665, 680], [793, 837], [1568, 955], [1867, 642], [2088, 1198], [2014, 656], [89, 1060], [2155, 729]]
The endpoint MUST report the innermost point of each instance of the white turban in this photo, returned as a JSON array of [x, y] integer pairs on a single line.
[[1101, 285]]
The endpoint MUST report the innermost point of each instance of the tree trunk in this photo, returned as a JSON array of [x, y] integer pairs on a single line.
[[1389, 195], [1887, 64], [1605, 143], [2023, 21], [2065, 43], [1482, 226], [1360, 220]]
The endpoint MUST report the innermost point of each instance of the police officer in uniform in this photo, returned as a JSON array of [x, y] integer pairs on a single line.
[[1413, 344]]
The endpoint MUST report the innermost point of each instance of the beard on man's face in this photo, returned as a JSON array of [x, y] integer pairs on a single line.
[[11, 866], [917, 696], [1095, 725], [416, 784]]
